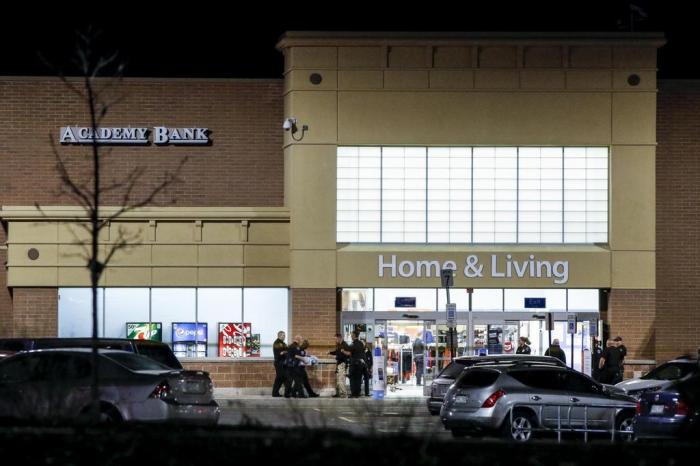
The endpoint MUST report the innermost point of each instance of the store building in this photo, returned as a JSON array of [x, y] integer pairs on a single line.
[[528, 163]]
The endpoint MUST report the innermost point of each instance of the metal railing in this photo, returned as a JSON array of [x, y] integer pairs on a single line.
[[611, 428]]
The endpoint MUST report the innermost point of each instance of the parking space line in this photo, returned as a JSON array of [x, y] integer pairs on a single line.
[[347, 420]]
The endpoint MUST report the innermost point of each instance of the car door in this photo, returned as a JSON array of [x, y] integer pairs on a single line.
[[541, 392], [586, 398], [16, 375]]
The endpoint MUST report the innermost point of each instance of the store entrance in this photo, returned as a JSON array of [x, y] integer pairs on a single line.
[[407, 346]]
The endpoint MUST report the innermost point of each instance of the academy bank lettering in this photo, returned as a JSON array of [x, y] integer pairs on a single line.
[[474, 268], [161, 135]]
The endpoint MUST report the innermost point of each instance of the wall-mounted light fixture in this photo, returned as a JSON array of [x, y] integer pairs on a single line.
[[290, 124]]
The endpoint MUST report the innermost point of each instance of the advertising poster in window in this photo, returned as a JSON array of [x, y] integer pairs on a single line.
[[254, 346], [190, 339], [234, 339], [144, 331]]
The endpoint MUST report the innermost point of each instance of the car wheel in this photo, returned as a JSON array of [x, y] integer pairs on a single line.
[[521, 428], [109, 415], [625, 427]]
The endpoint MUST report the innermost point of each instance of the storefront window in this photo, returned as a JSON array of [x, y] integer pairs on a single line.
[[405, 299], [535, 300], [267, 311], [461, 195], [215, 306], [358, 300], [174, 305], [123, 306], [459, 296], [583, 300], [487, 299], [75, 312]]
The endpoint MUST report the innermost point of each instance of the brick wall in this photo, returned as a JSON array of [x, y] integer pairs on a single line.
[[35, 312], [314, 317], [243, 167], [260, 375], [631, 315], [678, 219]]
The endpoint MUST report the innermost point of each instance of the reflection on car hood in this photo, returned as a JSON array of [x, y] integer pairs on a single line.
[[641, 384], [158, 372]]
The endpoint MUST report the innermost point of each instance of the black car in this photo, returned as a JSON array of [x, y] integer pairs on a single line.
[[155, 350], [673, 413], [447, 376]]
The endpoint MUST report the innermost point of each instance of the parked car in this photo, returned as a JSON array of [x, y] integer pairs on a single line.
[[673, 413], [661, 377], [153, 349], [55, 385], [481, 399], [447, 376]]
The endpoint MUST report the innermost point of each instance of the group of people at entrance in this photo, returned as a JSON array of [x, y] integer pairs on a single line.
[[290, 368], [353, 361]]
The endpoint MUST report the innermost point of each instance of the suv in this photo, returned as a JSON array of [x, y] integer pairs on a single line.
[[448, 375], [155, 350], [661, 377], [540, 397]]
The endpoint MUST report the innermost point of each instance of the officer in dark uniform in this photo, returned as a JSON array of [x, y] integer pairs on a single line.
[[292, 363], [279, 350], [357, 364], [610, 363], [596, 354]]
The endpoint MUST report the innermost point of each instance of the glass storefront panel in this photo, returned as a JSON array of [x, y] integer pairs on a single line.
[[125, 305], [405, 299], [485, 299], [75, 312], [357, 300], [215, 306], [583, 300], [175, 305], [267, 311], [458, 296]]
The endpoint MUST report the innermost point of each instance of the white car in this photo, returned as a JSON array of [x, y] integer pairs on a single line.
[[660, 377], [55, 386]]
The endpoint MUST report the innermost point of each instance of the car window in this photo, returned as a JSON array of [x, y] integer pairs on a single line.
[[542, 379], [135, 362], [669, 371], [578, 383], [160, 353], [453, 370], [68, 366], [18, 369], [477, 378]]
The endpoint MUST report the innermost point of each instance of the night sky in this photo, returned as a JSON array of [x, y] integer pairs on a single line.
[[195, 40]]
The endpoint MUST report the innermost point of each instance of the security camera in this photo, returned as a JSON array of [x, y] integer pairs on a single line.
[[289, 123]]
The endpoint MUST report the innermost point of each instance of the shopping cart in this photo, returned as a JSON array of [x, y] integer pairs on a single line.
[[392, 375]]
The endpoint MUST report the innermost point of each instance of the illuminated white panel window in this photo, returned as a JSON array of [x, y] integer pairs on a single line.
[[583, 300], [403, 194], [487, 299], [585, 195], [449, 195], [540, 195], [495, 194], [358, 194]]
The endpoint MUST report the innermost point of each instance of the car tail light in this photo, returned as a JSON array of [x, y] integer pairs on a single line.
[[491, 401], [681, 408], [162, 391], [639, 407]]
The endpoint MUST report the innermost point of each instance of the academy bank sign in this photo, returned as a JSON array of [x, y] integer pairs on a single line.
[[160, 135], [474, 267]]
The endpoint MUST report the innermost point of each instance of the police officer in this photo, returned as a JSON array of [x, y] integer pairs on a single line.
[[279, 350], [610, 363], [341, 359], [292, 362], [596, 354], [357, 364]]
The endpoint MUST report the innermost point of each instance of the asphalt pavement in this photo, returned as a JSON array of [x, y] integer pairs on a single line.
[[361, 415]]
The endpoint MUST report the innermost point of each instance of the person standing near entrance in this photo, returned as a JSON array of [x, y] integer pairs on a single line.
[[356, 354], [341, 370], [596, 354], [524, 346], [610, 363], [623, 352], [419, 359], [556, 351], [369, 360], [279, 351]]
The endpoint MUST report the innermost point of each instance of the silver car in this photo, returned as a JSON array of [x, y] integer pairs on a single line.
[[447, 376], [481, 399], [660, 378], [54, 386]]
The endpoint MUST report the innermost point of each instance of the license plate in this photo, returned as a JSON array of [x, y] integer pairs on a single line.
[[194, 387], [657, 409], [460, 399]]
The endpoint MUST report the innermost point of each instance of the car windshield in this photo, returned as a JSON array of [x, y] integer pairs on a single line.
[[453, 370], [670, 371], [135, 362]]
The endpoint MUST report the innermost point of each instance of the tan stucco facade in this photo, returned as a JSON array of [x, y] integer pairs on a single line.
[[460, 90]]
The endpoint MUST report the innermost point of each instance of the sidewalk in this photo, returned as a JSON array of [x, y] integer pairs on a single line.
[[230, 397]]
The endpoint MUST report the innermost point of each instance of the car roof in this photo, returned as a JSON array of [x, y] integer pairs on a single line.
[[506, 367], [509, 358], [79, 350]]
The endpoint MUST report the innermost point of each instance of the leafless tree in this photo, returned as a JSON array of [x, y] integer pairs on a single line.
[[97, 88]]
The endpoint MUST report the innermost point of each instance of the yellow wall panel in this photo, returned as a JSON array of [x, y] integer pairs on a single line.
[[36, 276], [633, 200], [175, 232], [497, 57], [268, 232], [128, 276], [266, 256], [590, 57], [451, 79], [313, 269], [634, 118], [32, 232], [318, 110], [220, 276], [132, 255], [221, 255], [588, 79], [407, 57], [496, 79], [221, 232], [405, 79], [312, 57], [17, 255], [176, 255], [361, 57], [647, 80], [174, 276], [634, 57], [543, 57], [634, 270], [266, 276], [360, 79], [452, 57], [542, 79], [299, 80]]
